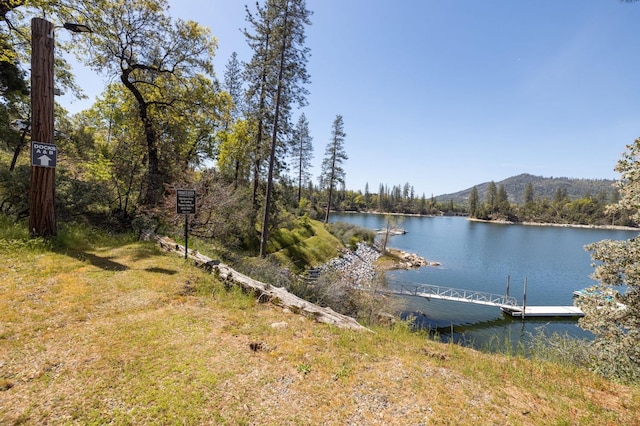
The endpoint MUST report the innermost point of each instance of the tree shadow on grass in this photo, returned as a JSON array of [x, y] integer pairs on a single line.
[[104, 263], [107, 264], [161, 271]]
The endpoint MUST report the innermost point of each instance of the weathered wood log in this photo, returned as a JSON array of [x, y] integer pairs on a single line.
[[277, 295]]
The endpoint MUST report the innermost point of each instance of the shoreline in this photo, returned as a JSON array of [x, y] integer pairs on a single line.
[[507, 222], [558, 225]]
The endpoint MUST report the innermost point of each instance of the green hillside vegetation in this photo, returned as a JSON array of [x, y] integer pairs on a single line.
[[523, 198], [96, 329], [574, 201], [305, 244], [543, 187]]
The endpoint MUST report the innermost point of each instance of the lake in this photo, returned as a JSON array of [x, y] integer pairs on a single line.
[[483, 257]]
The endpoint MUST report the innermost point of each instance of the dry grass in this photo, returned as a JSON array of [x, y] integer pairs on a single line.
[[128, 335]]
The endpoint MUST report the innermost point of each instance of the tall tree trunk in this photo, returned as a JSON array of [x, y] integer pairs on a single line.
[[300, 174], [256, 167], [274, 142], [42, 213], [331, 177], [155, 179], [258, 159], [236, 174], [326, 216], [16, 152]]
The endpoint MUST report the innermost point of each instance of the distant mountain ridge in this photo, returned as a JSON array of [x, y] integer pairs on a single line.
[[543, 187]]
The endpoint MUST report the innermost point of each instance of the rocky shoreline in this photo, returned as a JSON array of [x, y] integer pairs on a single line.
[[410, 260], [360, 266], [357, 266]]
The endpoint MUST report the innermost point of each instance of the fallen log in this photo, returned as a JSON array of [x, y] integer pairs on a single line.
[[276, 295]]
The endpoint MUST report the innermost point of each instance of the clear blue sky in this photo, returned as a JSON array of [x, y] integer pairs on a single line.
[[449, 94]]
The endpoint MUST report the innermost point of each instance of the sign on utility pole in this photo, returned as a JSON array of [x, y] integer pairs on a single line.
[[186, 205], [43, 154]]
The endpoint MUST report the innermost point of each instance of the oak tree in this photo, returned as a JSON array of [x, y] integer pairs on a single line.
[[163, 63]]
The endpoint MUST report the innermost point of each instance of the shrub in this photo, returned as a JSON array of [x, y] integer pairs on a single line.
[[350, 234]]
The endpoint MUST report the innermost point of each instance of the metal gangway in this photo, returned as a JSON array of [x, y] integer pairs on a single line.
[[507, 304], [447, 293]]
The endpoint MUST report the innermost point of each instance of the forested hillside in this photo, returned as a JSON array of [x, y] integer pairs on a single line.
[[519, 198], [543, 187]]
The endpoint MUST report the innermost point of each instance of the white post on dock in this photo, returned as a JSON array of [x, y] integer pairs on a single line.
[[524, 299], [508, 280]]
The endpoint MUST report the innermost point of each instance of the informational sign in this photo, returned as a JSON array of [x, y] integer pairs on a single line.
[[186, 201], [43, 154], [186, 205]]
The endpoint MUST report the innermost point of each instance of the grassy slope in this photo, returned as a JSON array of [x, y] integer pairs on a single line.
[[308, 244], [129, 335]]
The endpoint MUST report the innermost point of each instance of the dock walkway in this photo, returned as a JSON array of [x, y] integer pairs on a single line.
[[507, 304]]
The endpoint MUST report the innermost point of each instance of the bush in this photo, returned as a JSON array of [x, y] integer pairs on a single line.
[[14, 191], [331, 289], [350, 235]]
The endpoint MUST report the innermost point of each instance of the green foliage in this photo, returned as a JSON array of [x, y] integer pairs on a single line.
[[304, 369], [302, 153], [612, 307], [561, 349], [335, 290], [176, 103], [76, 197], [305, 243], [223, 214], [14, 236], [267, 270], [350, 235], [14, 190], [233, 160]]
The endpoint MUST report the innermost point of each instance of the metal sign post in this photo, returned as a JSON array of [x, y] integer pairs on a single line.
[[186, 205]]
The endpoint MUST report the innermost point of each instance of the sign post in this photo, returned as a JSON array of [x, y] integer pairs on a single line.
[[186, 205]]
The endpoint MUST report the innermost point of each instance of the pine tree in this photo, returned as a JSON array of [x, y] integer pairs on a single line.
[[502, 201], [474, 199], [302, 152], [492, 197], [528, 194], [335, 155], [277, 74], [233, 85]]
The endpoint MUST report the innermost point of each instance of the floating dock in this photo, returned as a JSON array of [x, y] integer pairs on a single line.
[[542, 311], [508, 305]]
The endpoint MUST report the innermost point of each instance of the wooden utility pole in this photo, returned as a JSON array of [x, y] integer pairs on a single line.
[[42, 214]]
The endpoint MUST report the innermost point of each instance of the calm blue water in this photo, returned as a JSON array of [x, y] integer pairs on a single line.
[[481, 256]]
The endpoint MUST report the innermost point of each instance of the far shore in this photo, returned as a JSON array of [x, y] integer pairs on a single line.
[[506, 222], [558, 225]]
